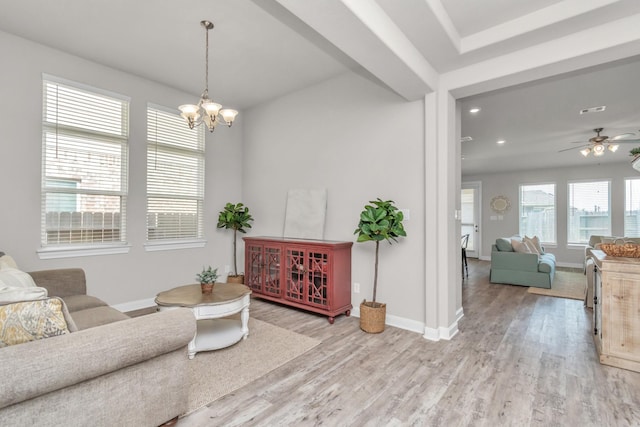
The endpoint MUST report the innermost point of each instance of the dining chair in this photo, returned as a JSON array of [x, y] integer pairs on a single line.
[[464, 242]]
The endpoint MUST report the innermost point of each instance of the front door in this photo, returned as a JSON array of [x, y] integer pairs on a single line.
[[470, 207]]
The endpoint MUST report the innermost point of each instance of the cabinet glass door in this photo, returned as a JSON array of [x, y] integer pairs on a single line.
[[317, 279], [272, 271], [253, 275], [294, 275]]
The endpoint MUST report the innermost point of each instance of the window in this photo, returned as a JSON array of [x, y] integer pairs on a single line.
[[632, 208], [538, 211], [175, 177], [588, 211], [84, 175]]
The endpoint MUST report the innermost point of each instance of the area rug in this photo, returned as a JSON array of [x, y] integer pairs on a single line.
[[566, 284], [216, 373]]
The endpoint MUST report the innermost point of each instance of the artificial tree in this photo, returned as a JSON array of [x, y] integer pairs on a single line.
[[237, 218], [379, 221]]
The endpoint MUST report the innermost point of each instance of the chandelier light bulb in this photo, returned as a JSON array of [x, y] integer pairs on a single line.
[[585, 152], [613, 147]]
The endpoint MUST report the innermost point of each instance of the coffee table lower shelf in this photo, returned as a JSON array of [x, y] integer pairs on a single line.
[[214, 334]]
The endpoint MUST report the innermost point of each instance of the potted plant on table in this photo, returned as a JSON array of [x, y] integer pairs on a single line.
[[207, 279], [380, 220], [237, 218]]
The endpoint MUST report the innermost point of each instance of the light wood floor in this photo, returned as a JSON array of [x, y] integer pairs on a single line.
[[519, 360]]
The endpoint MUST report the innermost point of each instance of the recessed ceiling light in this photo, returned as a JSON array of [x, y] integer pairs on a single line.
[[474, 110], [599, 109], [502, 141]]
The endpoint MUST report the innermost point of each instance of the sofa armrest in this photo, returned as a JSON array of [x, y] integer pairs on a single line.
[[61, 282], [32, 369], [514, 261]]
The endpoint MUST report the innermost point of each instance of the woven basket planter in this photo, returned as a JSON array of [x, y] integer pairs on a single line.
[[236, 279], [372, 318]]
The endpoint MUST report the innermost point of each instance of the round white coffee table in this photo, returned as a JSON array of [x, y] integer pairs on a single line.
[[213, 332]]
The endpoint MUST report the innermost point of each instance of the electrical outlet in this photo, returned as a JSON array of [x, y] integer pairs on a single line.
[[356, 287]]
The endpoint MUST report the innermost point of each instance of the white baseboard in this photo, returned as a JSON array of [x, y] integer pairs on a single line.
[[135, 305], [441, 333], [459, 314], [396, 321], [570, 265]]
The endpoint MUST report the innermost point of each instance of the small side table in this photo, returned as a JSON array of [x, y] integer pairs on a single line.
[[212, 332]]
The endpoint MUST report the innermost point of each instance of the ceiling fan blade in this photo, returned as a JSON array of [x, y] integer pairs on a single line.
[[625, 141], [574, 148], [621, 136]]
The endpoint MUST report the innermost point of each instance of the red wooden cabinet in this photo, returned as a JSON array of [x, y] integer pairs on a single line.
[[313, 275]]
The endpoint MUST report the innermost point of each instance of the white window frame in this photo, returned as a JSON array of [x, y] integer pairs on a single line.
[[543, 240], [155, 146], [59, 249], [635, 201], [570, 241]]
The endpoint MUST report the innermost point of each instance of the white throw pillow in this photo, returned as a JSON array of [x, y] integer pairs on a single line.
[[520, 246], [10, 294], [7, 262], [14, 278]]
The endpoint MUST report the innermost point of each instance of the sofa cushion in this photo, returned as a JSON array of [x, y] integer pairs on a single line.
[[26, 321], [535, 241], [91, 317], [82, 302], [504, 245], [7, 261]]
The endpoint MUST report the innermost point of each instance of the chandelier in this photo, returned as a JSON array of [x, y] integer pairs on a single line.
[[206, 111]]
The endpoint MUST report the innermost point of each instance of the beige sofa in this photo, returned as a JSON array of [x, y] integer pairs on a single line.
[[114, 370]]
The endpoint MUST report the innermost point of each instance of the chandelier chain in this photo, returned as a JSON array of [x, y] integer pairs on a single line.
[[206, 75]]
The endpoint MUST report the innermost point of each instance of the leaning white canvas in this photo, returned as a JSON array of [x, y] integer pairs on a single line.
[[305, 213]]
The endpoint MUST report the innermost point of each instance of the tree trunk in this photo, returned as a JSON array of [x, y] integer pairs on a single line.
[[375, 275], [235, 263]]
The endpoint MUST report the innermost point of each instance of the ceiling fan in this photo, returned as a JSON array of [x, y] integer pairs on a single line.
[[600, 143]]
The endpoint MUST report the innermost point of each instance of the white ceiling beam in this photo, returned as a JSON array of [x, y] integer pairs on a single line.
[[445, 22], [598, 45], [364, 32], [537, 20]]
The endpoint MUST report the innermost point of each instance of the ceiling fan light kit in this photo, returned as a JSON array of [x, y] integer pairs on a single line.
[[206, 111], [598, 144]]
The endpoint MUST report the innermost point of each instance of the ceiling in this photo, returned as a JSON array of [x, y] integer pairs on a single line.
[[262, 49]]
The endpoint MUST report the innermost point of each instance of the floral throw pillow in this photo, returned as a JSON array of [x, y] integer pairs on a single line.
[[26, 321]]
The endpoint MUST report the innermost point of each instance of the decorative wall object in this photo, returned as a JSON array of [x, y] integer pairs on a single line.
[[305, 214], [500, 204]]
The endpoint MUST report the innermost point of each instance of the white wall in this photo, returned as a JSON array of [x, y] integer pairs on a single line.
[[360, 142], [507, 184], [117, 279]]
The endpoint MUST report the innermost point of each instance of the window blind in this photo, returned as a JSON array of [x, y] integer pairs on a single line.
[[85, 164], [588, 211], [537, 211], [175, 177], [632, 207]]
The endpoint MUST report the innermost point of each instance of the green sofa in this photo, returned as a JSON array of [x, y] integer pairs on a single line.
[[523, 269]]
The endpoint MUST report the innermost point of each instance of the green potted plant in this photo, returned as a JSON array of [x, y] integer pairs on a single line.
[[380, 220], [237, 218], [207, 279], [635, 153]]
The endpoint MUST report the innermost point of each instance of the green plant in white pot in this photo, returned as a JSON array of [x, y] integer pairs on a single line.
[[237, 218], [379, 221]]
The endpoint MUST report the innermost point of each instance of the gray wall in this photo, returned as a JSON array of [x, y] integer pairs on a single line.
[[507, 184], [360, 142], [138, 275]]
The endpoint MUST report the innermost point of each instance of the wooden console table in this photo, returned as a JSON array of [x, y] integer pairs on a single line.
[[313, 275], [616, 310]]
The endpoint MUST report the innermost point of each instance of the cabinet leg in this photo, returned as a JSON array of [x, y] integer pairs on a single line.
[[331, 320], [347, 313]]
